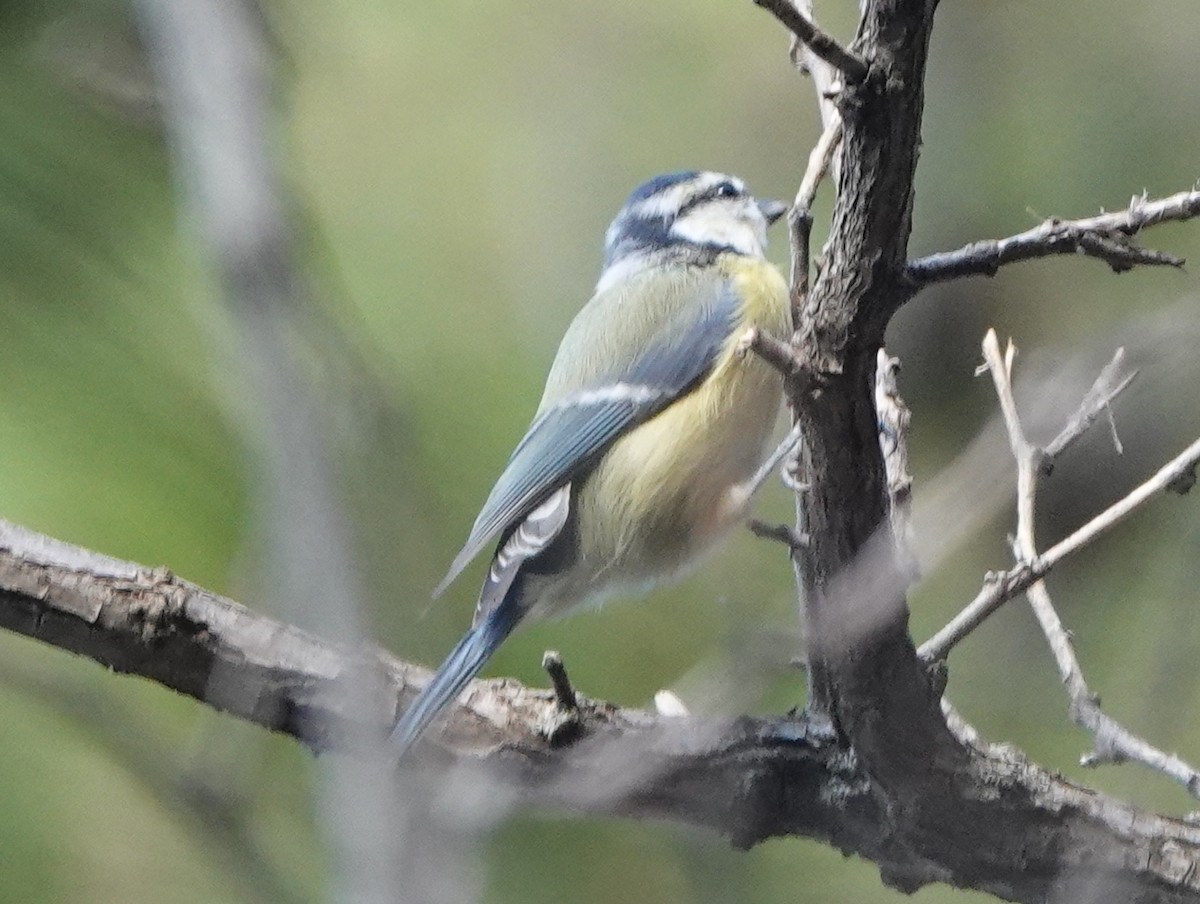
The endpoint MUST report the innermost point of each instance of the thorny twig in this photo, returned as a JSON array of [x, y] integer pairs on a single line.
[[999, 588], [1108, 237], [1112, 742]]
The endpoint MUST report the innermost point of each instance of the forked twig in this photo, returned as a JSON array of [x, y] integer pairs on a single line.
[[1112, 742], [1001, 587]]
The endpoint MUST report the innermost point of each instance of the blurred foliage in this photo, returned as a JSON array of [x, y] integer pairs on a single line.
[[456, 165]]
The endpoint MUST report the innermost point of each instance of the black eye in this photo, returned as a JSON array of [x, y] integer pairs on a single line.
[[727, 190]]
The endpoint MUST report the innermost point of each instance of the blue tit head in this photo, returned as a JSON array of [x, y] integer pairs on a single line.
[[690, 215]]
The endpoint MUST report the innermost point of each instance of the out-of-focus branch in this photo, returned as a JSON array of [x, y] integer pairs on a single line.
[[750, 779], [211, 60], [1107, 237], [128, 738], [780, 533]]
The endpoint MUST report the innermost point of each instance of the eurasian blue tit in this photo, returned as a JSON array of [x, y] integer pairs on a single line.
[[652, 423]]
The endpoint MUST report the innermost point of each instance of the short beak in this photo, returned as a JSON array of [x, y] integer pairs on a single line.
[[771, 210]]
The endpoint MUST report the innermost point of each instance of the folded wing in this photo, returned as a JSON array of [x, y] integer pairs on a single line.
[[567, 438]]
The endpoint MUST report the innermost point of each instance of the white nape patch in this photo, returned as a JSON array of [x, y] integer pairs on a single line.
[[717, 224], [637, 393], [624, 268]]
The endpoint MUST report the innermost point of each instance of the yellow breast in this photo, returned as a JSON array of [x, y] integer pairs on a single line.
[[675, 481]]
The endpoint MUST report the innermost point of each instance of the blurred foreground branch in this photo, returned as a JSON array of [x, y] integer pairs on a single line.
[[1015, 829], [216, 75]]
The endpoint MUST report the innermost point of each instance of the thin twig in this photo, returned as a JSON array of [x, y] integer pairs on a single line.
[[821, 44], [783, 452], [1112, 742], [827, 80], [1167, 477], [1110, 384], [775, 352], [780, 533], [800, 217], [564, 692], [1000, 588], [819, 160], [1107, 237]]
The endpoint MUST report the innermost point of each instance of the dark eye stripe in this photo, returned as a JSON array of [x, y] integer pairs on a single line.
[[720, 190]]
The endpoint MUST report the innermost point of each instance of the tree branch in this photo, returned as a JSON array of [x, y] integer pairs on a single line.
[[1107, 237], [780, 533], [1011, 828], [800, 218], [1112, 742], [821, 44], [1000, 588], [774, 352]]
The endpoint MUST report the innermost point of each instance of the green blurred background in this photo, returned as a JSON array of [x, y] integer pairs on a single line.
[[455, 166]]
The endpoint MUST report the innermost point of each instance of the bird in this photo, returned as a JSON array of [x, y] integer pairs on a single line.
[[653, 421]]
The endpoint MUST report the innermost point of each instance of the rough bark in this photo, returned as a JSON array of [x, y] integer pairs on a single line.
[[981, 817]]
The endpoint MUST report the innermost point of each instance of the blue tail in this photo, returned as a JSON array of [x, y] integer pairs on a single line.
[[464, 662]]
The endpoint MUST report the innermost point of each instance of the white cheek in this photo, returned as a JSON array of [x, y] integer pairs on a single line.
[[707, 229]]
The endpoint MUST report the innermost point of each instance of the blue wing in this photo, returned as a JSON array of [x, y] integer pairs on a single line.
[[500, 609], [570, 434]]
